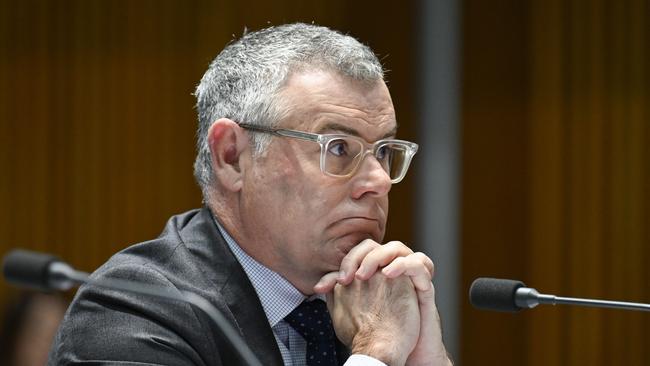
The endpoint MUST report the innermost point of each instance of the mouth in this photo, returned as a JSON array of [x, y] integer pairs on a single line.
[[362, 222], [353, 229], [361, 218]]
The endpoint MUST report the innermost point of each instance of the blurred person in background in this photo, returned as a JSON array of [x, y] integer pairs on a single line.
[[28, 328]]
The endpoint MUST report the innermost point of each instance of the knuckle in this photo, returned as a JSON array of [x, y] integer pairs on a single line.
[[397, 248], [347, 260], [396, 244], [369, 242], [424, 258]]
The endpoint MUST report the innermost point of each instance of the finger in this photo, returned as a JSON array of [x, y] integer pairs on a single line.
[[352, 260], [421, 281], [326, 283], [380, 257], [430, 345], [412, 265], [395, 268], [426, 261], [415, 266], [329, 299], [391, 269]]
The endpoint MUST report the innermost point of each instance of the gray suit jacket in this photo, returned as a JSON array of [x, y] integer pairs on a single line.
[[111, 327]]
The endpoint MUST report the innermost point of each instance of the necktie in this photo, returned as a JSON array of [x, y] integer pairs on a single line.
[[312, 321]]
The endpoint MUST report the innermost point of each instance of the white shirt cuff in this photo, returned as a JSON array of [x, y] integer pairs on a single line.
[[363, 360]]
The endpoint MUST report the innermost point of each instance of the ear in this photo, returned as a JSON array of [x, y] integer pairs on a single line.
[[227, 143]]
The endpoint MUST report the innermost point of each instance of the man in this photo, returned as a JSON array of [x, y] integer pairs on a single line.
[[296, 156]]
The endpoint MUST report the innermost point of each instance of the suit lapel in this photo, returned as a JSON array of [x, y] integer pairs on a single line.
[[251, 318], [225, 272]]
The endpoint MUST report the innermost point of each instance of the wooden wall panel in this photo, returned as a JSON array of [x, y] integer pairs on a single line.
[[97, 125], [547, 153], [585, 168]]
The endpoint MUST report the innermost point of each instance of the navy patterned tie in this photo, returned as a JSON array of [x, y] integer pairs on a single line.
[[312, 320]]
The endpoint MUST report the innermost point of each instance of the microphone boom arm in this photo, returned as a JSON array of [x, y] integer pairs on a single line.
[[526, 297]]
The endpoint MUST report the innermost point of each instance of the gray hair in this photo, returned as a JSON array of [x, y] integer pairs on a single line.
[[244, 80]]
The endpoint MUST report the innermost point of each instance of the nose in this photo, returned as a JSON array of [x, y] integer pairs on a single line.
[[371, 178]]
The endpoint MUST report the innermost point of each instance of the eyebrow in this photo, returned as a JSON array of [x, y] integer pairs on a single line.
[[350, 131]]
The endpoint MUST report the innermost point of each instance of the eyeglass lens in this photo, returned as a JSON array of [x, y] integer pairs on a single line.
[[343, 155]]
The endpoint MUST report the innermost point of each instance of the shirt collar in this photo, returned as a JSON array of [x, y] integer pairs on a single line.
[[277, 295]]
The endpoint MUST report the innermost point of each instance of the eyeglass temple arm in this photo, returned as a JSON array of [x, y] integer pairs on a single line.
[[297, 134]]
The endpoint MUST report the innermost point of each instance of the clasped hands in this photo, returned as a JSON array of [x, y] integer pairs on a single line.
[[382, 304]]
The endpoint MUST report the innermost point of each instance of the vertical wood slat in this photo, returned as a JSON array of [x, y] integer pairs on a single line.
[[636, 252], [585, 118], [641, 38], [5, 127], [617, 178], [546, 183]]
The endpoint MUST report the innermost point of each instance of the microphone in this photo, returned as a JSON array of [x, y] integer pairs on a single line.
[[45, 272], [512, 296]]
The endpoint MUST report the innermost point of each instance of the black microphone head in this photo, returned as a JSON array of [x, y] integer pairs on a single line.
[[494, 294], [25, 268]]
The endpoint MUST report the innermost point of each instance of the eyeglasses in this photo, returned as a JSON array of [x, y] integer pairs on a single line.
[[341, 155]]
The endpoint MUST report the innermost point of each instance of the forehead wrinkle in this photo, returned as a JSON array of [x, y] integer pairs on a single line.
[[360, 110], [335, 117], [330, 116]]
